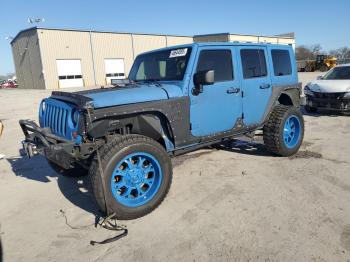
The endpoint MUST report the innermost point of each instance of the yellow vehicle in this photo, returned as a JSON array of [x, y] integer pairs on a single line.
[[322, 63]]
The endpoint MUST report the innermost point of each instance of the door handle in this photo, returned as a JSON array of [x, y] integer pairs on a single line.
[[233, 90], [265, 86]]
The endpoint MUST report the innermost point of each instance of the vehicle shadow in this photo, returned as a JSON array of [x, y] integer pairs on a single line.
[[324, 112], [75, 189], [256, 148]]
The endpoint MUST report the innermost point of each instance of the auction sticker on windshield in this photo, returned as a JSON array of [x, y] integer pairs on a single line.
[[178, 52]]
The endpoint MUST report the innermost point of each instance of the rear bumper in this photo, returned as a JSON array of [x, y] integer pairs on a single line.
[[41, 141], [335, 104]]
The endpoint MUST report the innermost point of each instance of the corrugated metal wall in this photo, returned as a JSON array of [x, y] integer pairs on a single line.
[[57, 44], [178, 40], [244, 38], [26, 55], [144, 43], [107, 46]]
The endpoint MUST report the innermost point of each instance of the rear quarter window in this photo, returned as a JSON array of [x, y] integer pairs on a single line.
[[282, 65]]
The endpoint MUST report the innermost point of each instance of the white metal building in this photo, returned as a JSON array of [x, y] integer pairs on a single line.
[[284, 39]]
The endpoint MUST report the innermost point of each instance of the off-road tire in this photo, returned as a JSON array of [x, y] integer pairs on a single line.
[[75, 171], [110, 155], [310, 109], [324, 68], [274, 128], [309, 68]]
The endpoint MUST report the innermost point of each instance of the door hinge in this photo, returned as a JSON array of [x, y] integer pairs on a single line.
[[242, 115], [190, 126], [242, 94]]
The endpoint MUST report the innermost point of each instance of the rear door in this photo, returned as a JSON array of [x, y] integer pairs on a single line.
[[256, 83], [219, 106]]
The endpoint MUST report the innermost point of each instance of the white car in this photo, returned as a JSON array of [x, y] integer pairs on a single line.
[[331, 91]]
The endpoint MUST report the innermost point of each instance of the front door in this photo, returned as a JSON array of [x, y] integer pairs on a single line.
[[219, 106], [256, 83]]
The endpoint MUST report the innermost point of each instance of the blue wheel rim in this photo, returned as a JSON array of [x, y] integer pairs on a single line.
[[292, 131], [136, 179]]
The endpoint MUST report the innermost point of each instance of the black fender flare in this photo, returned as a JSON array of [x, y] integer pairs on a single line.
[[285, 94]]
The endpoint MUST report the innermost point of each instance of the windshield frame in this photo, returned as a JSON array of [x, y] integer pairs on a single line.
[[141, 58], [329, 73]]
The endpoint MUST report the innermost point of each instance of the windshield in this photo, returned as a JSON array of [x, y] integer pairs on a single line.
[[338, 73], [163, 65]]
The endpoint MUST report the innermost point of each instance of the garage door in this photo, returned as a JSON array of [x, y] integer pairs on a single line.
[[114, 69], [69, 73]]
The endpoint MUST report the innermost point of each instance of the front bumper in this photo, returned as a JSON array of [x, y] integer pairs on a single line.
[[334, 104], [41, 141]]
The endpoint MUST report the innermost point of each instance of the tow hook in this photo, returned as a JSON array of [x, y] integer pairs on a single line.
[[30, 149]]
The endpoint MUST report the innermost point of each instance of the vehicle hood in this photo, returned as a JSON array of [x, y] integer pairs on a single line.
[[330, 86], [131, 95]]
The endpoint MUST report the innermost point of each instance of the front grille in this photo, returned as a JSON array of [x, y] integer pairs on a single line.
[[56, 119], [330, 100], [329, 95], [58, 116]]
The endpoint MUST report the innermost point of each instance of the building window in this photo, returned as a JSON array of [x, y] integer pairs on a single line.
[[218, 60], [115, 74], [253, 63], [282, 65], [70, 77]]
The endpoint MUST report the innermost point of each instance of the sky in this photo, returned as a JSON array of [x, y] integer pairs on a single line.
[[314, 22]]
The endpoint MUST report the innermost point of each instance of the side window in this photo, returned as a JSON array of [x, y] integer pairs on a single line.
[[253, 63], [218, 60], [281, 62]]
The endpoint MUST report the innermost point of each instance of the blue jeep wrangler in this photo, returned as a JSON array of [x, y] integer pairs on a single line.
[[176, 100]]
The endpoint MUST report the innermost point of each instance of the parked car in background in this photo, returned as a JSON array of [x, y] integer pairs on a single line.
[[331, 91], [9, 84]]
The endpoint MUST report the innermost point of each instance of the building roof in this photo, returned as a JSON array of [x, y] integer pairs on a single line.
[[89, 30]]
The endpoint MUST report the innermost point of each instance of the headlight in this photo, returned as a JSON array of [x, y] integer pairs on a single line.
[[307, 91], [75, 116]]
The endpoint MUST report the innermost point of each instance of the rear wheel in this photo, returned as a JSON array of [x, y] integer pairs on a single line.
[[284, 131], [309, 68], [323, 68], [136, 177]]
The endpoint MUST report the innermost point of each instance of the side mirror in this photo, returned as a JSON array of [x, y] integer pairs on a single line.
[[319, 78], [202, 78]]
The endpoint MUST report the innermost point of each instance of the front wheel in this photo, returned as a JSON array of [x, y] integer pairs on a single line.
[[284, 131], [137, 175]]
